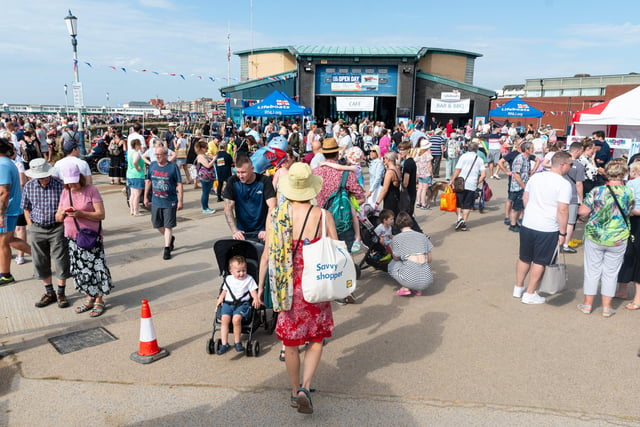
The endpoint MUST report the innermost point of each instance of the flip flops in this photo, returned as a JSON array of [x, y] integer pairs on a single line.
[[632, 306], [403, 292]]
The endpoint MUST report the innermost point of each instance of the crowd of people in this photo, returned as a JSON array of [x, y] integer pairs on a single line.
[[549, 191]]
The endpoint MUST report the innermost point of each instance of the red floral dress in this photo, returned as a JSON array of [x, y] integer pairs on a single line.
[[305, 322]]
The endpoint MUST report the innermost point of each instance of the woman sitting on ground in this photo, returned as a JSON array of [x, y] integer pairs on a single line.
[[411, 264]]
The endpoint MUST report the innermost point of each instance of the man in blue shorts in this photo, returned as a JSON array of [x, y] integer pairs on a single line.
[[165, 183], [546, 199], [10, 197], [248, 198]]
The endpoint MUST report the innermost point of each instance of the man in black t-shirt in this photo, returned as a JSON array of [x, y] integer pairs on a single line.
[[228, 129], [409, 174]]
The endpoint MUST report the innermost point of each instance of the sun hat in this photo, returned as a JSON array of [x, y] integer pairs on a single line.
[[38, 168], [438, 131], [425, 144], [329, 145], [354, 155], [300, 184], [70, 173]]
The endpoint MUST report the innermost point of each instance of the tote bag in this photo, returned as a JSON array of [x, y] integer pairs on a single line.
[[448, 200], [554, 279], [329, 272]]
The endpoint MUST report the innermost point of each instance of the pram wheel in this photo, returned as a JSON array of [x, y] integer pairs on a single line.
[[211, 346], [358, 271], [255, 348]]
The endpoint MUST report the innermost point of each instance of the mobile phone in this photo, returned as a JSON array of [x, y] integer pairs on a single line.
[[69, 209]]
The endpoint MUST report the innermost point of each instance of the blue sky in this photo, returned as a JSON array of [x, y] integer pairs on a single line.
[[518, 40]]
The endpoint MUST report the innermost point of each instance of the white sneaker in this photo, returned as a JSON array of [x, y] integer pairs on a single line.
[[533, 298], [19, 260], [518, 291]]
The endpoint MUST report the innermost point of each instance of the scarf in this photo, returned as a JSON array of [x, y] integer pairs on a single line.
[[280, 257]]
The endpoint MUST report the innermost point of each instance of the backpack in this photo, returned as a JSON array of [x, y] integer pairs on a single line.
[[114, 148], [358, 141], [340, 207], [30, 150], [294, 142]]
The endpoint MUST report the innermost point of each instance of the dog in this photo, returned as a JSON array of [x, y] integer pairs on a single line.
[[434, 190]]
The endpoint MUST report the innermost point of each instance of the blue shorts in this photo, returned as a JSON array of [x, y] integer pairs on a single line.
[[10, 222], [135, 183], [229, 309], [537, 247], [425, 180]]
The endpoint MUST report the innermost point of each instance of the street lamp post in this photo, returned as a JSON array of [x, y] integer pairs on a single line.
[[72, 27], [66, 100]]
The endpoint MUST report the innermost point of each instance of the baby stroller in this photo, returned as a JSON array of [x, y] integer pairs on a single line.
[[482, 196], [251, 250], [376, 256]]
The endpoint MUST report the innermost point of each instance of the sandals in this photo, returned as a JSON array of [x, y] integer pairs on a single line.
[[632, 306], [84, 307], [281, 358], [403, 292], [585, 308], [303, 399], [98, 309], [608, 312]]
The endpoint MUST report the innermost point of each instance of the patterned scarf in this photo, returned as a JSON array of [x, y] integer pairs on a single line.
[[280, 257]]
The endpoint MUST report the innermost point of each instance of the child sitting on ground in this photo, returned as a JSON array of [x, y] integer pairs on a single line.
[[234, 299], [353, 156], [384, 232]]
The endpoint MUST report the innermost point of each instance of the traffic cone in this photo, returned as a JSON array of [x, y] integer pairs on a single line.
[[148, 351]]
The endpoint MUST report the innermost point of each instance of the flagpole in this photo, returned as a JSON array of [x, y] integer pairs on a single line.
[[228, 53]]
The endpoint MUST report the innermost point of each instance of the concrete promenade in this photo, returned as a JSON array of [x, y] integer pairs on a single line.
[[466, 353]]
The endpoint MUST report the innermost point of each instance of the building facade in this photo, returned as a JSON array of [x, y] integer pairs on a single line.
[[387, 84]]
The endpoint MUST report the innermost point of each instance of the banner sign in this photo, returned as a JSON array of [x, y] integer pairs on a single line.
[[354, 103], [78, 98], [451, 107], [614, 143], [352, 79]]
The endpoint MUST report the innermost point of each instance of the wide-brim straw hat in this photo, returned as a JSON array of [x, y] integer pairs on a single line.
[[300, 184]]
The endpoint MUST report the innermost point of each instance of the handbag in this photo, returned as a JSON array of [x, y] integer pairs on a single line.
[[329, 272], [206, 174], [458, 183], [631, 240], [448, 200], [486, 190], [554, 279], [87, 238], [404, 200]]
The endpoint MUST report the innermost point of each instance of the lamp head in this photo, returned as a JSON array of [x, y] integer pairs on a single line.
[[72, 24]]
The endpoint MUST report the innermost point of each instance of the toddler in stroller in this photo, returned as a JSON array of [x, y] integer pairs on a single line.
[[374, 229], [238, 290], [239, 264]]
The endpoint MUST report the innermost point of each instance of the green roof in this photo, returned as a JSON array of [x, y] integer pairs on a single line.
[[378, 51], [455, 83], [258, 82]]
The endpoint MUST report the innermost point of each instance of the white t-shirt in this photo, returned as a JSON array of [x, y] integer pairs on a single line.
[[538, 145], [239, 287], [82, 165], [546, 190], [464, 164], [345, 142], [316, 160]]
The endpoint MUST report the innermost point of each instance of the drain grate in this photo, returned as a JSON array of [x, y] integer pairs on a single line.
[[74, 341]]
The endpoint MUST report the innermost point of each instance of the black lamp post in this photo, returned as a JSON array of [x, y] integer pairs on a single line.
[[72, 27]]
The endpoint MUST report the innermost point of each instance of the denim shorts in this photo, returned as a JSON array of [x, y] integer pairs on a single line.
[[425, 180], [229, 309], [135, 183]]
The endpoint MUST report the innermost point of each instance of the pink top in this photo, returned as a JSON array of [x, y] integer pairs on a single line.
[[82, 201], [384, 144]]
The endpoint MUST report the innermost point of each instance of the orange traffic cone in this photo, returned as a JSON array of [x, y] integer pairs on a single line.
[[148, 351]]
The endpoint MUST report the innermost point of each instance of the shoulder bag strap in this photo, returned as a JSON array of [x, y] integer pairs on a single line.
[[304, 224], [471, 168], [343, 181], [619, 207], [74, 218]]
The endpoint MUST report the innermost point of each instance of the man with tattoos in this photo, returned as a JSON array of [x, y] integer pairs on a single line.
[[248, 199]]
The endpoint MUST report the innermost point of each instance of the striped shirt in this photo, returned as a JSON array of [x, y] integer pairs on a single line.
[[437, 143], [42, 202]]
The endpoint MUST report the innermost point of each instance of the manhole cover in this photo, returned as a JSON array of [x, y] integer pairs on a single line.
[[75, 341]]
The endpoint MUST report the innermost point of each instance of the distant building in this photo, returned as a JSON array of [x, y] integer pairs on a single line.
[[382, 83], [560, 97]]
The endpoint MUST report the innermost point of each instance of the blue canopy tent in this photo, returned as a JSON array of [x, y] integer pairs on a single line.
[[516, 108], [276, 104]]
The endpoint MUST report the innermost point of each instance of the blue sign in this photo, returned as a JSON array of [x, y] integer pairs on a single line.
[[356, 80]]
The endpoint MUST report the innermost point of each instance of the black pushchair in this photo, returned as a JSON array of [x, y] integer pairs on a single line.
[[224, 250], [375, 255]]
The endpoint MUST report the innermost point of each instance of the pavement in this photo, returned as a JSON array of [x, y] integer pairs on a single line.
[[465, 353]]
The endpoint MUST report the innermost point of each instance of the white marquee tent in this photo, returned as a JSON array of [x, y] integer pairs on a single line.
[[618, 117]]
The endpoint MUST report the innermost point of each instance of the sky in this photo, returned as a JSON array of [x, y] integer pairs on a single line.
[[518, 40]]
